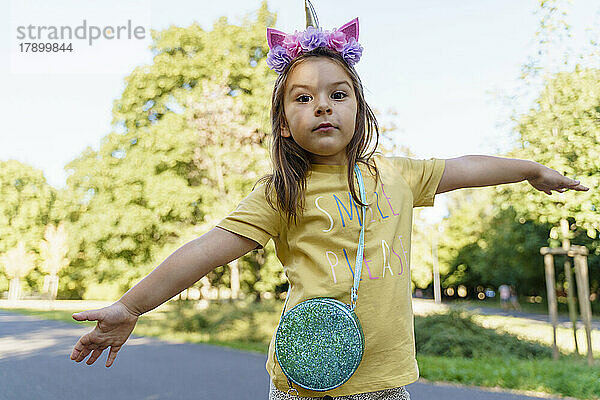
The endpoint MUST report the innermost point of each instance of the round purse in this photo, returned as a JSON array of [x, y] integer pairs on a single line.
[[319, 342]]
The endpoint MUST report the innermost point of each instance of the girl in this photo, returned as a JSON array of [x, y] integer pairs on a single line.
[[322, 127]]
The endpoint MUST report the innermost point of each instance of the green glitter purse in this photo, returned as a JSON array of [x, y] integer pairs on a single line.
[[319, 342]]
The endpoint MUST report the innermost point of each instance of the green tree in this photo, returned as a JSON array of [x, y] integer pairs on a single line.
[[53, 250], [26, 198], [496, 246], [494, 234], [563, 133], [469, 212], [172, 167], [186, 56], [17, 263]]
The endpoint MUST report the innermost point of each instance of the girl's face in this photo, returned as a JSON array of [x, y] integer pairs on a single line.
[[319, 91]]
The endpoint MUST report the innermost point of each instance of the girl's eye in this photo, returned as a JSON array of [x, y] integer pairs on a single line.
[[305, 96]]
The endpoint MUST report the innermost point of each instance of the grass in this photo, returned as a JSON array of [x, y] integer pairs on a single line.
[[487, 351], [455, 346], [542, 332], [566, 377], [535, 330]]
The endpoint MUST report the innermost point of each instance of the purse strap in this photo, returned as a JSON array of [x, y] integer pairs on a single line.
[[361, 245], [361, 241]]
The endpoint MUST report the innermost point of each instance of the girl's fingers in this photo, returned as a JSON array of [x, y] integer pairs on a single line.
[[84, 346], [112, 355], [83, 355], [91, 315], [95, 354], [577, 186], [77, 350]]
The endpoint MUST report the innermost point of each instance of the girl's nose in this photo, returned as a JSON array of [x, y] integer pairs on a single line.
[[323, 109]]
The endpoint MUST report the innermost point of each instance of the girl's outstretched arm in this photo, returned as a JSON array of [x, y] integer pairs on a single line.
[[476, 170], [179, 271]]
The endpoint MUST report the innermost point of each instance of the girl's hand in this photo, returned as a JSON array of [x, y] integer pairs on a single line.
[[115, 324], [548, 179]]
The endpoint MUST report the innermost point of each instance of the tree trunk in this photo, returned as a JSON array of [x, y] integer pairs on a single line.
[[205, 289], [14, 289], [51, 286], [235, 279]]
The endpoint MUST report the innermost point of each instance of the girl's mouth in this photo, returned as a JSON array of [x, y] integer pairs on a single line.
[[325, 129]]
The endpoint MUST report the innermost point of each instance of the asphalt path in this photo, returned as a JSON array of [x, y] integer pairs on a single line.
[[35, 364]]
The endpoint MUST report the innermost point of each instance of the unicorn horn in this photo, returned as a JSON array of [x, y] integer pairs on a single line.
[[311, 15]]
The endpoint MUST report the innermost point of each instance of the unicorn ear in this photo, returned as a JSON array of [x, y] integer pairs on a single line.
[[351, 29], [275, 37]]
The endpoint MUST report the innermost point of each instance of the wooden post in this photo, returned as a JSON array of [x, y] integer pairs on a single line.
[[550, 287], [588, 307], [571, 301], [566, 245], [581, 274]]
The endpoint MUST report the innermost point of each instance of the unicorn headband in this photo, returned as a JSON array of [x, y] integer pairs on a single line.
[[286, 47]]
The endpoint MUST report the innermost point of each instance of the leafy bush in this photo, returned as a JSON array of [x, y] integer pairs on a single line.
[[184, 319], [455, 334], [244, 321]]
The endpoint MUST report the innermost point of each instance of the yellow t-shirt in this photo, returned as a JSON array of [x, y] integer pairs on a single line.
[[319, 255]]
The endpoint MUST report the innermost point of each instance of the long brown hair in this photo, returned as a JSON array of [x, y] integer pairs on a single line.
[[291, 162]]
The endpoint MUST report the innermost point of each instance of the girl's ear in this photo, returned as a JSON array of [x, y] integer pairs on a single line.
[[284, 131]]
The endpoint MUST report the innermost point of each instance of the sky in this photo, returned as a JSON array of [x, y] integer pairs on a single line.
[[447, 69]]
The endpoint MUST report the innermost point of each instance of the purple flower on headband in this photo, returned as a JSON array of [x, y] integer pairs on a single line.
[[352, 52], [278, 59], [312, 38], [336, 40], [292, 44]]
